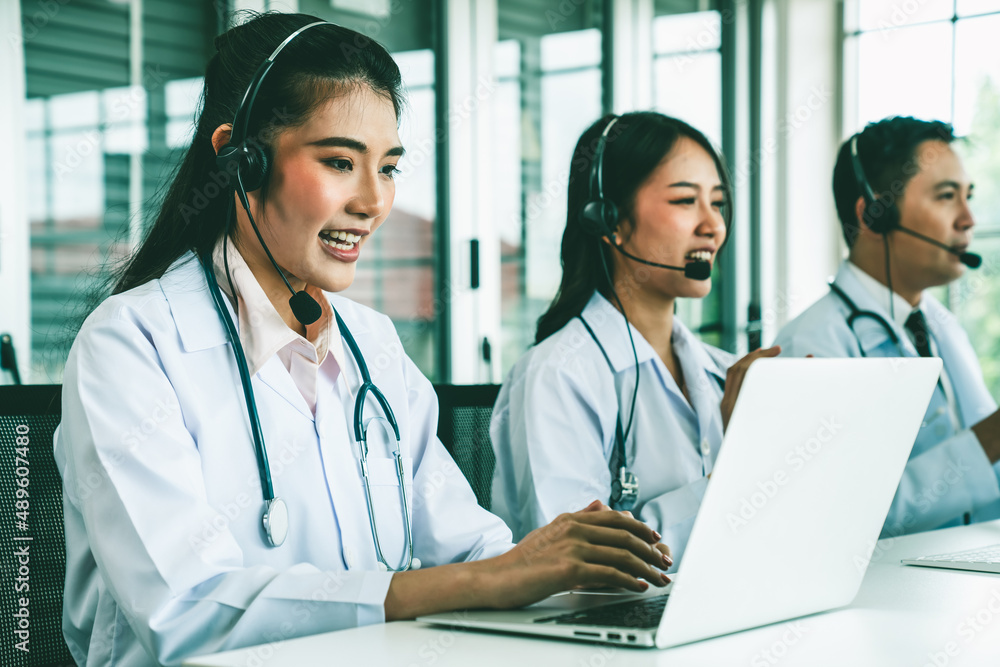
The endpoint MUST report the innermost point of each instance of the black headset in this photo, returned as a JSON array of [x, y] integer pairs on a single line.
[[600, 215], [248, 163], [880, 216], [248, 159]]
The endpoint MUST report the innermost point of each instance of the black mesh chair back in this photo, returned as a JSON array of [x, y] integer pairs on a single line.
[[464, 428], [32, 538]]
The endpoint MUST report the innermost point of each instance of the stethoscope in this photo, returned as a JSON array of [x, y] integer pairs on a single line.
[[274, 519], [857, 313], [624, 482]]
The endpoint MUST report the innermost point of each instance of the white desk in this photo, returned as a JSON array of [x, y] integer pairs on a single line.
[[902, 616]]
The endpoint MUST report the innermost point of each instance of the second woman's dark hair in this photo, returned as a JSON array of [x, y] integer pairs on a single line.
[[636, 144], [317, 65]]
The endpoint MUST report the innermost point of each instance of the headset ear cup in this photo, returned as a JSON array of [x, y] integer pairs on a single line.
[[881, 218], [600, 218], [591, 219], [225, 158], [253, 168]]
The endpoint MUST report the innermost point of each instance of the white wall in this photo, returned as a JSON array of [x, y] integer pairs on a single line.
[[15, 290]]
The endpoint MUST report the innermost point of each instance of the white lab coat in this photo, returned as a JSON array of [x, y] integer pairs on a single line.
[[948, 474], [165, 555], [553, 427]]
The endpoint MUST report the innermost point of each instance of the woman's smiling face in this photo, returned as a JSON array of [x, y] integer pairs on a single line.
[[677, 218], [331, 186]]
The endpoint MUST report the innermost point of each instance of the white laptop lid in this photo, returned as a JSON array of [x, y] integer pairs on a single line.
[[808, 468]]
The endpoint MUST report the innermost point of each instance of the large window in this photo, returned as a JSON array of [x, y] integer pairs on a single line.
[[101, 131], [938, 59], [548, 66], [397, 272], [687, 84], [113, 89], [102, 143]]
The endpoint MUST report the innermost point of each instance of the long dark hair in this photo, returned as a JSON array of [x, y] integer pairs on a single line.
[[636, 144], [314, 67]]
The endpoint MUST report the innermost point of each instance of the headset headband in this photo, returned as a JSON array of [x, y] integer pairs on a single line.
[[240, 121], [597, 170], [859, 172]]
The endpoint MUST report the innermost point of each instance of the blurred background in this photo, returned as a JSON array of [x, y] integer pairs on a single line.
[[100, 98]]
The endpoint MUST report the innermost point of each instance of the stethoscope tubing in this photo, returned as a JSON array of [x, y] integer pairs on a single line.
[[856, 314], [360, 430], [263, 468]]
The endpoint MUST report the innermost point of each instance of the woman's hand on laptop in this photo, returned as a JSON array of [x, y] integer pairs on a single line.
[[734, 380], [595, 547], [597, 506]]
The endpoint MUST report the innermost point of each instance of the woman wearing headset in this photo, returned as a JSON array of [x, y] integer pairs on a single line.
[[167, 403], [618, 399]]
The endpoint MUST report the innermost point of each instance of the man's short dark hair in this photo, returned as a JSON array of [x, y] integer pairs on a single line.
[[887, 151]]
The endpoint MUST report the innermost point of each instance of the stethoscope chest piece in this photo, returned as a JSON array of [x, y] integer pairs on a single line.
[[624, 491], [275, 521]]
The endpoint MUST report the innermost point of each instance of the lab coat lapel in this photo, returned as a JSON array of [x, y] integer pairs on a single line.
[[703, 387], [276, 377], [186, 290], [960, 362]]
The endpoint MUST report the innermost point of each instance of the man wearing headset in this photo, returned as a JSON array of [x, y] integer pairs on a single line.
[[902, 195]]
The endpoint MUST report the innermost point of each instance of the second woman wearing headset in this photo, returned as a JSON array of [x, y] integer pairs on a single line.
[[618, 399]]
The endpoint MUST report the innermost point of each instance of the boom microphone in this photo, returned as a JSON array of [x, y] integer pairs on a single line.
[[698, 269], [304, 307], [970, 259]]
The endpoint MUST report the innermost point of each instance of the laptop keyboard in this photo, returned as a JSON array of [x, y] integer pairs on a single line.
[[986, 555], [642, 613]]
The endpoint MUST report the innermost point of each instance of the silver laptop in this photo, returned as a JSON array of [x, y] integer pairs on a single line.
[[803, 482]]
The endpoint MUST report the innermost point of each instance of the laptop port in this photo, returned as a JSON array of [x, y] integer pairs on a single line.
[[631, 638], [581, 633], [614, 636]]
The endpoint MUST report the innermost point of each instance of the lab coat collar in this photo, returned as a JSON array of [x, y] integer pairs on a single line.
[[199, 325], [262, 331], [609, 327], [900, 306], [870, 333], [186, 290]]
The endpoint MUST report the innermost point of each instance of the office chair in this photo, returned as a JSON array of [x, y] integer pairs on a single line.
[[464, 428], [32, 540]]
